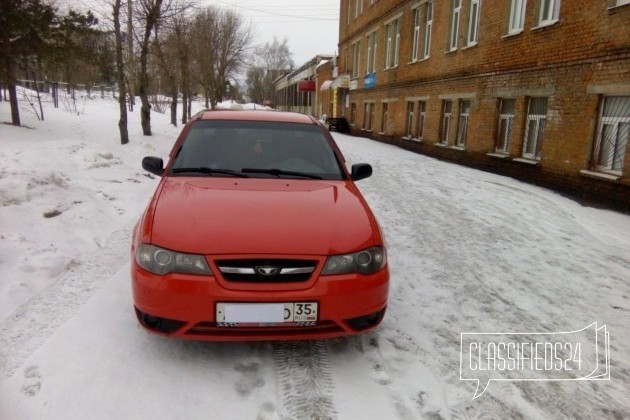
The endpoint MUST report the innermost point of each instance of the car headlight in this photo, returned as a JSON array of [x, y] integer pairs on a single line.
[[163, 261], [368, 261]]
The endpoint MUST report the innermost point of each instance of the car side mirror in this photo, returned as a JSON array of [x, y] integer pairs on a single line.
[[153, 164], [361, 171]]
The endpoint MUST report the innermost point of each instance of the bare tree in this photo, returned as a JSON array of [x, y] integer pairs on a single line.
[[222, 44], [120, 73], [166, 48], [148, 11], [182, 30], [271, 60]]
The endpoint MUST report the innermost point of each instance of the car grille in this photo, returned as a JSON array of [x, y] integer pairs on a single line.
[[266, 271]]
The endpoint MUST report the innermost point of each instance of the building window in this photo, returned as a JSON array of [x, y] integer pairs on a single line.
[[473, 23], [384, 117], [517, 16], [348, 11], [368, 116], [416, 34], [392, 46], [536, 117], [372, 43], [427, 29], [462, 124], [548, 12], [409, 120], [456, 10], [422, 106], [356, 58], [612, 134], [446, 120], [422, 24], [506, 125], [358, 8], [353, 113]]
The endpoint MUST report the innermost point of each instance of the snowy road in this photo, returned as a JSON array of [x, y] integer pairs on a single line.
[[468, 251]]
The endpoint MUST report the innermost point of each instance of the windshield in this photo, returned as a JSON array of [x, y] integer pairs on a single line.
[[263, 149]]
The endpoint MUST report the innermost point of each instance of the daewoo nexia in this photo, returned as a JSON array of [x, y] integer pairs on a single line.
[[257, 231]]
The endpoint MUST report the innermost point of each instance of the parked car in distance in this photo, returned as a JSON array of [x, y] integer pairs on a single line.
[[257, 231]]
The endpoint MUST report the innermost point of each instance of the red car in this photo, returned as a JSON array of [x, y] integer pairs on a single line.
[[257, 231]]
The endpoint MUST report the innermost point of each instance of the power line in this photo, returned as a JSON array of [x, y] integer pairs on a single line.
[[274, 13]]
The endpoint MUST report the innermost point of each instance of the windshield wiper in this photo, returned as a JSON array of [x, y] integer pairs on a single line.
[[211, 171], [278, 172]]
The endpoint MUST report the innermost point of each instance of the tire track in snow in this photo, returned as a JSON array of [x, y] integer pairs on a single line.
[[23, 332], [305, 381]]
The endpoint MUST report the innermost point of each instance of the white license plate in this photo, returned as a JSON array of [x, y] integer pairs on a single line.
[[267, 312]]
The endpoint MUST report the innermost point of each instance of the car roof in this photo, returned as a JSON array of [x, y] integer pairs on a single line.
[[254, 115]]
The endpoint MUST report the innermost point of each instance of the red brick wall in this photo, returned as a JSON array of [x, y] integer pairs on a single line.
[[585, 54]]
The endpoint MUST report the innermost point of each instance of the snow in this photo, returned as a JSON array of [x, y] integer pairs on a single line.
[[468, 251]]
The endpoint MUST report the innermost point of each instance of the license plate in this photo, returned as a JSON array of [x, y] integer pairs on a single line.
[[266, 312]]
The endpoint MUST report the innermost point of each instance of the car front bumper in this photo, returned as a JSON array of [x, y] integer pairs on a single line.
[[184, 306]]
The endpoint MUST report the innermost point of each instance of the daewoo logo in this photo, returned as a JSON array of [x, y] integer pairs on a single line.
[[267, 270]]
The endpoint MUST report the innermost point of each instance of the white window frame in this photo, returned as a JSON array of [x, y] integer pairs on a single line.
[[372, 45], [392, 46], [421, 115], [349, 12], [516, 21], [620, 144], [397, 44], [553, 10], [462, 124], [446, 120], [428, 16], [410, 119], [356, 58], [384, 115], [473, 22], [507, 118], [456, 11], [358, 8], [533, 147], [415, 48], [368, 116]]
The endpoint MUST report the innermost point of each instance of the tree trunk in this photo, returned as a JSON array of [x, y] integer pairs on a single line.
[[120, 73], [174, 104], [145, 111], [10, 77], [184, 106], [130, 59], [15, 112]]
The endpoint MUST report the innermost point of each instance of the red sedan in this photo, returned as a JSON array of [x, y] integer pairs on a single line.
[[257, 231]]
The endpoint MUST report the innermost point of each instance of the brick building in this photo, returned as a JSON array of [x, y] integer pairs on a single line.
[[535, 89]]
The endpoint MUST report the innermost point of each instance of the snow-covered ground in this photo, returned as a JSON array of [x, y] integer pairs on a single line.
[[468, 251]]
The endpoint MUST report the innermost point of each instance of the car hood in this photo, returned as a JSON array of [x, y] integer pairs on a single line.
[[261, 216]]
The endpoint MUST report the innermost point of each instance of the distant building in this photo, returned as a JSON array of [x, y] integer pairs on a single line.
[[539, 89], [297, 91]]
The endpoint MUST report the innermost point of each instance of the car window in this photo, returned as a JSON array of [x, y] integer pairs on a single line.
[[238, 145]]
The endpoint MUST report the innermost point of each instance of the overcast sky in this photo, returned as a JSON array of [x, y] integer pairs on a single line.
[[311, 27]]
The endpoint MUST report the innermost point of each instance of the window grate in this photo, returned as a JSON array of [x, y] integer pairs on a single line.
[[613, 133]]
